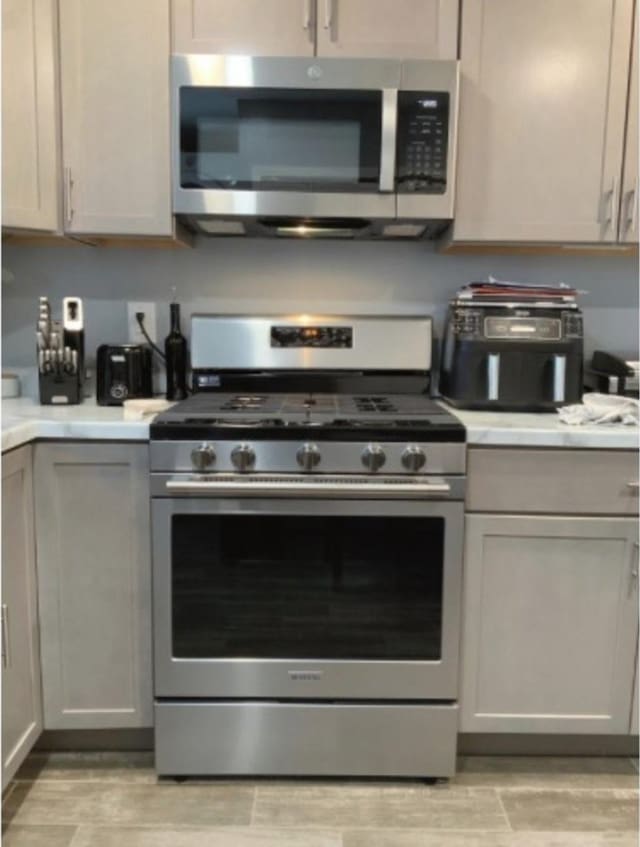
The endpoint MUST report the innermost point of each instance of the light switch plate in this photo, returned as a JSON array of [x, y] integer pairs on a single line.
[[134, 333]]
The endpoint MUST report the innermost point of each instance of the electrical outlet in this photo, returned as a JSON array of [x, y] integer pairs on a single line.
[[134, 332]]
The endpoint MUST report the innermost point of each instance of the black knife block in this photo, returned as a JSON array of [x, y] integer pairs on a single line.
[[60, 389]]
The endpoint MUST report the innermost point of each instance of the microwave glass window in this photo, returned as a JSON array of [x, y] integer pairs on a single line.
[[280, 139], [286, 586]]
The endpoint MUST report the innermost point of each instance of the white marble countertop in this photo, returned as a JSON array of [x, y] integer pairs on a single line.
[[24, 420], [510, 429]]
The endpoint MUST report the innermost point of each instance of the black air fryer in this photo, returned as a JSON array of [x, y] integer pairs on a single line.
[[123, 373], [510, 358]]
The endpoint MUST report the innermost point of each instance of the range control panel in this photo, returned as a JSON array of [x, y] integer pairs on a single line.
[[423, 130], [312, 336]]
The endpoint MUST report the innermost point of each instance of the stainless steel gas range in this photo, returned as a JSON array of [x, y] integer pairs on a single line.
[[307, 512]]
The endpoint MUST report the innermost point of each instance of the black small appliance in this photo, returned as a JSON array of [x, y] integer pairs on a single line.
[[512, 357], [123, 373], [612, 374]]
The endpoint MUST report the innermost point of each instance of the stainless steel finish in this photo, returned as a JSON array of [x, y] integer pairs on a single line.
[[328, 16], [203, 457], [243, 457], [6, 652], [493, 376], [68, 184], [635, 564], [337, 486], [224, 485], [530, 306], [559, 378], [306, 15], [308, 456], [612, 195], [244, 343], [413, 458], [388, 146], [385, 75], [305, 739], [373, 457], [344, 679], [338, 457]]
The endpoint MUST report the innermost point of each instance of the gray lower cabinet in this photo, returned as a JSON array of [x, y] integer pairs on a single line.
[[94, 583], [549, 625], [21, 692]]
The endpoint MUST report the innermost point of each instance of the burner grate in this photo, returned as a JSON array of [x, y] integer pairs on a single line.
[[374, 404]]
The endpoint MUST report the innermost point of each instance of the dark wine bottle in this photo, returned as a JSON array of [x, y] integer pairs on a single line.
[[175, 350]]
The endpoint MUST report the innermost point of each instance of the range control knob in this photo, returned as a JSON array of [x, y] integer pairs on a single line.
[[413, 458], [243, 457], [203, 457], [373, 457], [308, 456]]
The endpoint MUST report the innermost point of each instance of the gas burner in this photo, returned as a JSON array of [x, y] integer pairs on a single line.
[[244, 402], [374, 404]]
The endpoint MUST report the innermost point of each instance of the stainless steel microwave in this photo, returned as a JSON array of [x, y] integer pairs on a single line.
[[313, 146]]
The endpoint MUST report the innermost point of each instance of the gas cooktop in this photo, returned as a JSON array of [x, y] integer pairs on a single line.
[[266, 414]]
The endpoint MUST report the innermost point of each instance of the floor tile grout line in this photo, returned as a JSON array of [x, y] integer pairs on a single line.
[[504, 811], [253, 806]]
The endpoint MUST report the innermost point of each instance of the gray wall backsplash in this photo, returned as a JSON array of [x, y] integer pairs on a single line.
[[261, 276]]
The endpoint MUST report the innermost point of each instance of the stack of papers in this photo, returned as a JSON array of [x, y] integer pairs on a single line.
[[496, 291]]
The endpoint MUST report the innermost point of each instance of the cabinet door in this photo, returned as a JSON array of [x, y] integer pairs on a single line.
[[636, 681], [115, 116], [629, 202], [30, 149], [401, 29], [550, 623], [250, 27], [21, 695], [94, 582], [542, 114]]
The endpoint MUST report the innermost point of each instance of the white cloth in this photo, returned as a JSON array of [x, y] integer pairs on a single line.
[[602, 409]]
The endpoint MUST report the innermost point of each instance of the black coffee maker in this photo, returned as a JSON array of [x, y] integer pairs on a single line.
[[512, 357]]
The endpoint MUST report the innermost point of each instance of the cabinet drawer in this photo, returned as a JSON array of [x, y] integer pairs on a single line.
[[570, 482]]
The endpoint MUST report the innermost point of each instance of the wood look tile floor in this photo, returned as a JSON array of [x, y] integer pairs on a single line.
[[115, 800]]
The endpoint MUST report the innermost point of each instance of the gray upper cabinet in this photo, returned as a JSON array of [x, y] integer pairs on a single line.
[[30, 116], [247, 27], [21, 694], [115, 117], [628, 227], [549, 624], [94, 583], [411, 29], [542, 119], [404, 29]]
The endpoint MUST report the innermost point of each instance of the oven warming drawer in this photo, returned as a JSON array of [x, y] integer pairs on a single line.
[[305, 739]]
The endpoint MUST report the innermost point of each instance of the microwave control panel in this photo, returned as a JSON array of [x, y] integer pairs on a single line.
[[421, 152]]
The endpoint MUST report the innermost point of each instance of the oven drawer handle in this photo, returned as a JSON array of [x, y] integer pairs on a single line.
[[302, 488]]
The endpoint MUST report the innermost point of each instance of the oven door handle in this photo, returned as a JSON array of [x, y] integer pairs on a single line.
[[255, 488]]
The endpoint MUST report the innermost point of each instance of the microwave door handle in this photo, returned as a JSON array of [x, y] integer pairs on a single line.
[[559, 378], [388, 140], [493, 376]]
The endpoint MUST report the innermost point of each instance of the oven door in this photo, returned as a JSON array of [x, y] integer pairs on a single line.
[[306, 599], [284, 137]]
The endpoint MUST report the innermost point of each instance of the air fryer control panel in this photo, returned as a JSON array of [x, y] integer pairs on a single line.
[[423, 129], [516, 325]]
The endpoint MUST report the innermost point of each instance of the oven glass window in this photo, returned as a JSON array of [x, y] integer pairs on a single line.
[[272, 586], [280, 139]]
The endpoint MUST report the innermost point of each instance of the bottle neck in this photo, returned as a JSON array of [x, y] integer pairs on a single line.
[[175, 317]]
